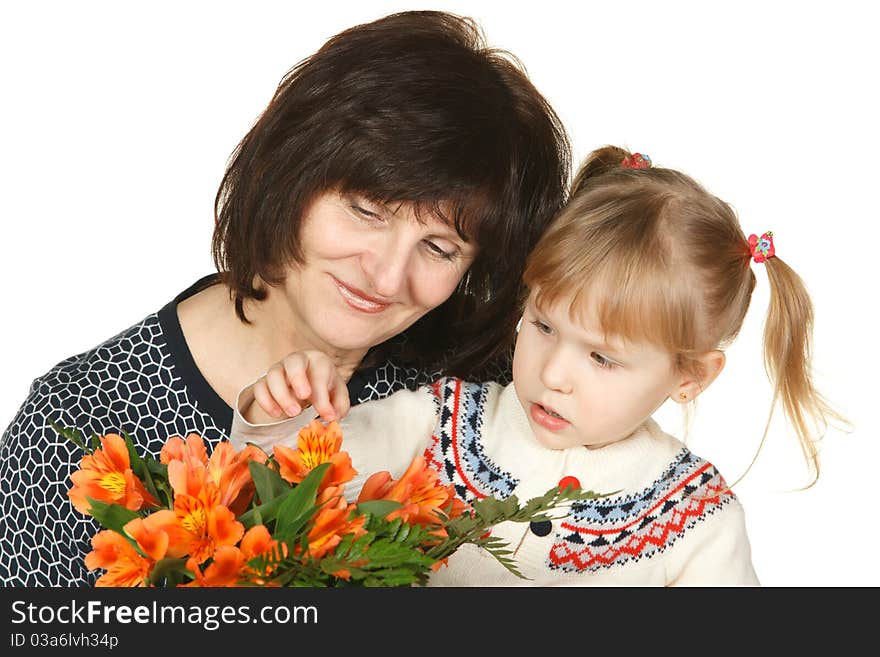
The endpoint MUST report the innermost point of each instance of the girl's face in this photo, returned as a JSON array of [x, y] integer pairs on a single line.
[[578, 390], [370, 271]]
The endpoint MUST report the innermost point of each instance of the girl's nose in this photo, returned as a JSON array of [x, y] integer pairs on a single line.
[[555, 372]]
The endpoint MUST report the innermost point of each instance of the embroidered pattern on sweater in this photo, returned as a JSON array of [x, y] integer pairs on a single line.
[[455, 450], [609, 532]]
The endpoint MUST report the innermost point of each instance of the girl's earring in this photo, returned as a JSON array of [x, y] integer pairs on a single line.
[[682, 396], [519, 324]]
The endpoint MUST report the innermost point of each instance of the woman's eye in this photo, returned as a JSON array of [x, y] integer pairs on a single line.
[[365, 213], [542, 327], [601, 361], [439, 252]]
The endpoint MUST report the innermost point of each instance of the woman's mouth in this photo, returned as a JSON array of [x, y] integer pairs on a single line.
[[358, 300], [547, 417]]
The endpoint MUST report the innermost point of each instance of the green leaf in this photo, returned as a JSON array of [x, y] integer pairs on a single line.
[[158, 470], [137, 464], [268, 482], [492, 510], [114, 517], [158, 479], [170, 572], [299, 505], [141, 467], [378, 508], [265, 514], [111, 516], [72, 435]]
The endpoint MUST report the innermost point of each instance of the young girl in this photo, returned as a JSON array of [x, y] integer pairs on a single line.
[[634, 291]]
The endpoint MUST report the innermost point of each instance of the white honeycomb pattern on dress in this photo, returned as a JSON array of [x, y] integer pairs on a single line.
[[128, 384]]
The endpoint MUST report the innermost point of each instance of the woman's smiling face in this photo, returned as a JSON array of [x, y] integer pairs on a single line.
[[578, 389], [370, 270]]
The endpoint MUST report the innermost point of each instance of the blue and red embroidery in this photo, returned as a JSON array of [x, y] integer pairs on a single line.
[[455, 450], [609, 532]]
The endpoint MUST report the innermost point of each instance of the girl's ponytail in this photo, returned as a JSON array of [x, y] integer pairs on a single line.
[[788, 332], [602, 160]]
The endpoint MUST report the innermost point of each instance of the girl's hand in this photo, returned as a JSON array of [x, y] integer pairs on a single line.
[[289, 386]]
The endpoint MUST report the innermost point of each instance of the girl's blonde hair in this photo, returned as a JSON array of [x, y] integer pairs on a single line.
[[660, 259]]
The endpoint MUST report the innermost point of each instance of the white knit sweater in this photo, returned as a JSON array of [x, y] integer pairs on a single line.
[[671, 521]]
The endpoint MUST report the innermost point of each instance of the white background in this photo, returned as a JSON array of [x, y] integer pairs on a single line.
[[117, 120]]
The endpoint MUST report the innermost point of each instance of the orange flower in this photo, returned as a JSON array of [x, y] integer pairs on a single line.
[[258, 541], [176, 449], [229, 566], [204, 490], [113, 552], [157, 536], [190, 469], [419, 490], [332, 522], [205, 524], [229, 470], [316, 444], [106, 476], [225, 569]]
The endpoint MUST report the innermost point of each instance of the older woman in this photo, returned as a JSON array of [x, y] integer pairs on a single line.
[[379, 210]]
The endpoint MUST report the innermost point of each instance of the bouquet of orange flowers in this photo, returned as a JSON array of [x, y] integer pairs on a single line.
[[249, 519]]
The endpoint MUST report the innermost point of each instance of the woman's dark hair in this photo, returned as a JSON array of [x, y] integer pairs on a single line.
[[412, 107]]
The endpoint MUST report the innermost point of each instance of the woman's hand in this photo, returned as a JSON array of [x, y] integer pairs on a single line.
[[289, 385]]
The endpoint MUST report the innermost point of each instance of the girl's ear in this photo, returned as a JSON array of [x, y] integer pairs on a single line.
[[689, 386]]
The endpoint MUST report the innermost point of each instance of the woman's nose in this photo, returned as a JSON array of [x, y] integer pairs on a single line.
[[386, 263], [556, 371]]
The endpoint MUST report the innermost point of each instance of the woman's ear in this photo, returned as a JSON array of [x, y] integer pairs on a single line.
[[708, 367]]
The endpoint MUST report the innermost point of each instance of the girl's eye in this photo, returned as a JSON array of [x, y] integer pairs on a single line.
[[542, 327], [601, 361], [438, 252]]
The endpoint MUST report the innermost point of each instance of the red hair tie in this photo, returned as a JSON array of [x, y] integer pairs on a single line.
[[636, 161], [762, 247]]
